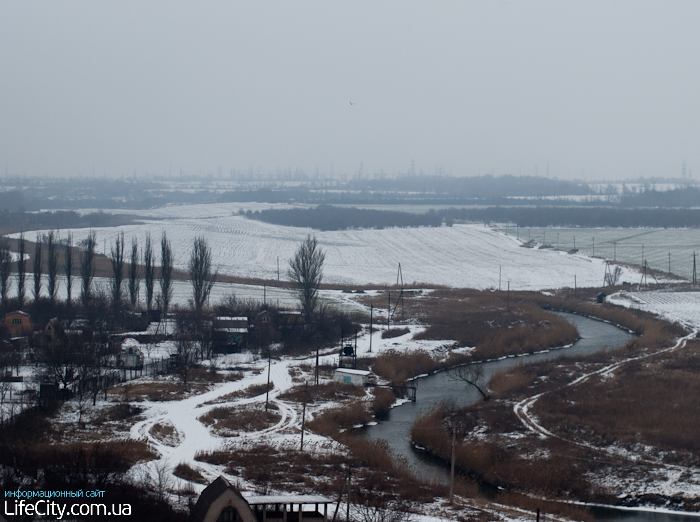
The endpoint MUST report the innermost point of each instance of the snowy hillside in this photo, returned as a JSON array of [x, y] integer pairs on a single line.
[[458, 256]]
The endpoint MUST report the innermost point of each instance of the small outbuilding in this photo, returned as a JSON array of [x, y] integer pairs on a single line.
[[18, 323], [600, 298], [352, 376]]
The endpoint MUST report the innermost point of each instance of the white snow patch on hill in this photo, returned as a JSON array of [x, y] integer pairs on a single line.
[[458, 256]]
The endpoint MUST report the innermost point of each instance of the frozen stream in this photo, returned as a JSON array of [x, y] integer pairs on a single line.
[[595, 336]]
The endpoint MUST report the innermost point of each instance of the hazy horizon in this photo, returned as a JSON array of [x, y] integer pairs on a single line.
[[587, 91]]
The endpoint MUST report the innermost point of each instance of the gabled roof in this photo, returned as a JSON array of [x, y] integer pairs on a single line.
[[20, 312], [216, 497]]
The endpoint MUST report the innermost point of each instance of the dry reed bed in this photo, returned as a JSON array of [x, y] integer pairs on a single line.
[[489, 321], [373, 470], [228, 422], [652, 402], [249, 392]]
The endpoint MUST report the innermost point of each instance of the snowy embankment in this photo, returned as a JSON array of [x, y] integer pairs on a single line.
[[472, 256], [677, 307]]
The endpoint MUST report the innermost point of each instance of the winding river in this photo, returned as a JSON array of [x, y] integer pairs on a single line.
[[595, 336]]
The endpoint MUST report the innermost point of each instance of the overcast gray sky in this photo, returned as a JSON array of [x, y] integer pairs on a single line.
[[602, 89]]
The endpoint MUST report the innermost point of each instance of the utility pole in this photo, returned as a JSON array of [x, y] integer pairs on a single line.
[[508, 298], [388, 314], [316, 340], [669, 262], [371, 311], [593, 248], [499, 278], [452, 465], [269, 364], [695, 274], [303, 417], [574, 285], [278, 269], [614, 250]]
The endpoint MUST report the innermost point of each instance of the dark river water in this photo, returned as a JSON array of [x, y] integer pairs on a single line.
[[595, 336]]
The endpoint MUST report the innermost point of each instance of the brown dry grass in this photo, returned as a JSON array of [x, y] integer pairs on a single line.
[[397, 366], [395, 332], [497, 464], [165, 433], [653, 402], [490, 321], [228, 422], [156, 391], [509, 382], [342, 418], [187, 472], [374, 470], [251, 391], [384, 399], [324, 392], [120, 412]]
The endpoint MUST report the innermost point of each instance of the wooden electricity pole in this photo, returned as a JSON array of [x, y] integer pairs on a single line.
[[452, 465], [303, 417], [371, 310]]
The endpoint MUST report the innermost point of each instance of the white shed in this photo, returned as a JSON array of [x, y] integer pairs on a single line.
[[357, 377]]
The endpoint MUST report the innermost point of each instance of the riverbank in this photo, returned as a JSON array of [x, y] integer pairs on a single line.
[[534, 436]]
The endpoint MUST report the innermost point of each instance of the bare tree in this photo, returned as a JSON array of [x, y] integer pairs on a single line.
[[5, 268], [87, 267], [52, 265], [166, 272], [306, 272], [185, 343], [201, 276], [134, 273], [21, 270], [68, 266], [116, 256], [149, 270], [472, 375], [36, 265]]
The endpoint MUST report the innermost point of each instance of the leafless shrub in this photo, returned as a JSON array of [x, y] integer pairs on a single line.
[[229, 421], [398, 366], [187, 472], [395, 332], [472, 375]]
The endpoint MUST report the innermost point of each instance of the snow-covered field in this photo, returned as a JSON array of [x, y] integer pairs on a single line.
[[472, 256], [680, 307]]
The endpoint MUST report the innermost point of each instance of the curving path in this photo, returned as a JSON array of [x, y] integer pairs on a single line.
[[523, 408]]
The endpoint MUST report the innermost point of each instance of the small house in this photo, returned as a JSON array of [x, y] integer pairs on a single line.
[[230, 332], [265, 319], [130, 359], [290, 319], [352, 376], [222, 502], [600, 298], [18, 323]]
